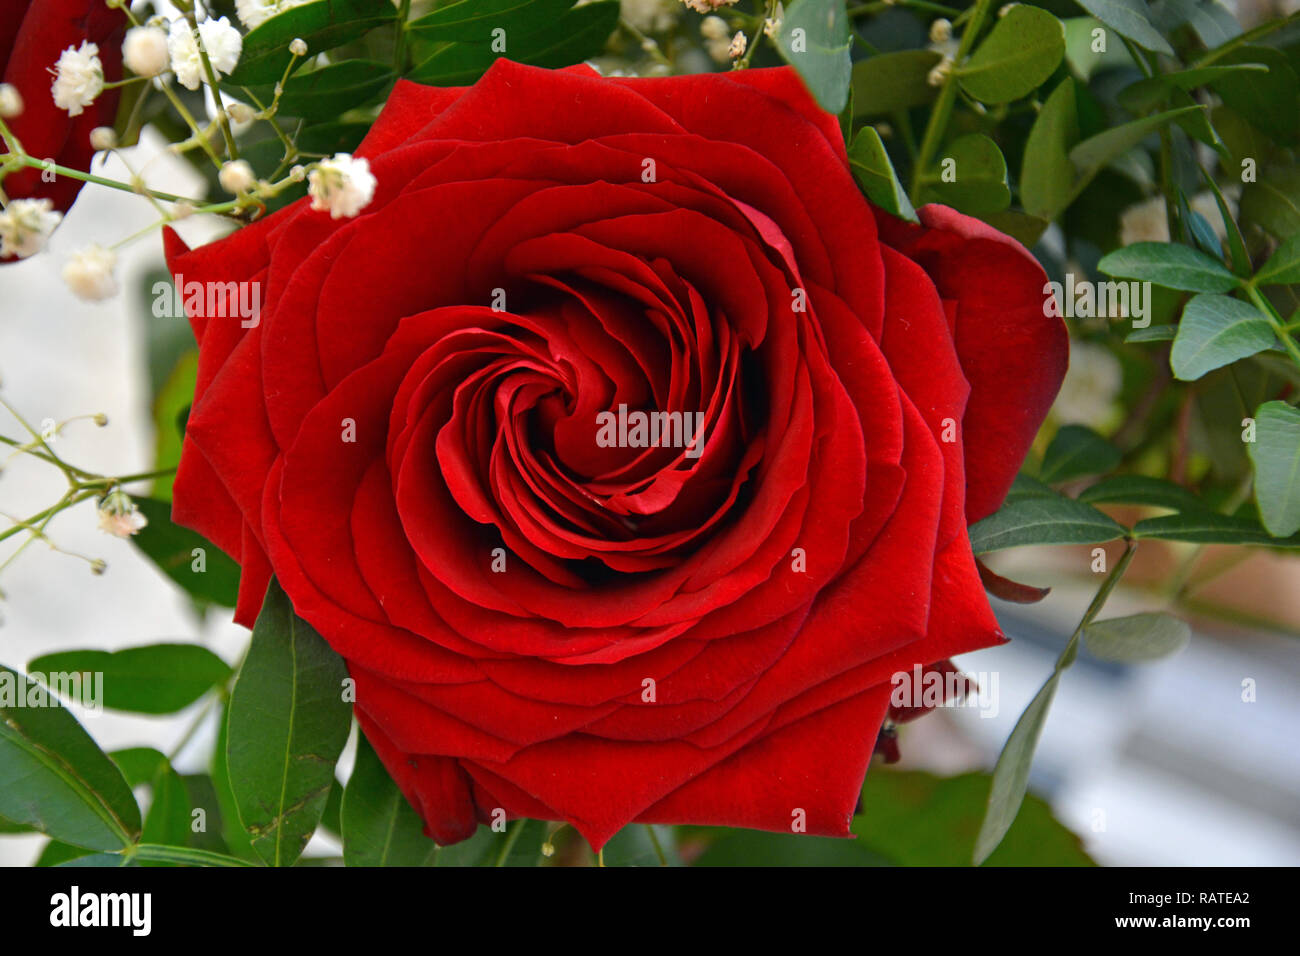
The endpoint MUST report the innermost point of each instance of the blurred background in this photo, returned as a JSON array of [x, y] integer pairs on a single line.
[[1192, 760]]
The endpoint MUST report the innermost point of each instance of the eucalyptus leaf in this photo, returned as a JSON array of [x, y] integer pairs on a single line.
[[1275, 454], [978, 175], [1011, 774], [1139, 637], [1142, 490], [1076, 451], [1024, 48], [1041, 519], [1283, 267], [1171, 265], [875, 174], [1128, 18], [1047, 175], [1215, 331], [814, 38], [888, 82]]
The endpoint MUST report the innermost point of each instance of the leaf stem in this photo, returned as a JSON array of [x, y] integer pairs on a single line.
[[938, 122]]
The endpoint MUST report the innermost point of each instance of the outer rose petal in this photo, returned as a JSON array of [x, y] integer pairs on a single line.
[[1012, 352]]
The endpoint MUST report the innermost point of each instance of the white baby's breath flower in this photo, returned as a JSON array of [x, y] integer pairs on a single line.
[[651, 16], [11, 101], [736, 49], [25, 227], [939, 74], [714, 28], [144, 51], [221, 41], [343, 185], [78, 78], [1091, 387], [89, 273], [119, 516], [298, 46], [941, 31], [236, 176]]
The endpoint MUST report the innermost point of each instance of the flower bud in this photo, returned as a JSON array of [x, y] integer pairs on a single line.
[[144, 51], [103, 137], [298, 46], [11, 101], [237, 176]]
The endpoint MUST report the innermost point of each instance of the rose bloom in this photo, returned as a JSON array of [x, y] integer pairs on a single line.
[[33, 34], [572, 630]]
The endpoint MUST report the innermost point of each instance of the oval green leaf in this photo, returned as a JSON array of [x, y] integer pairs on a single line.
[[287, 725]]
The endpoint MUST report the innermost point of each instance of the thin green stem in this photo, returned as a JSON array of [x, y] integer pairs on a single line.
[[937, 126], [654, 842], [1250, 36], [512, 837], [97, 180], [215, 85], [1275, 320]]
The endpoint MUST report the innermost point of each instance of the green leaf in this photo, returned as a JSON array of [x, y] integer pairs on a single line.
[[1236, 243], [734, 848], [287, 726], [1275, 454], [168, 821], [1269, 99], [814, 39], [56, 779], [1210, 528], [154, 679], [232, 831], [198, 566], [1283, 267], [1142, 490], [379, 827], [1215, 331], [1152, 333], [575, 36], [474, 20], [1092, 155], [1170, 265], [1011, 774], [1047, 175], [139, 765], [173, 399], [1128, 18], [333, 90], [205, 830], [323, 24], [875, 174], [917, 819], [1154, 90], [1040, 519], [979, 176], [1140, 637], [893, 81], [1076, 451], [1024, 48]]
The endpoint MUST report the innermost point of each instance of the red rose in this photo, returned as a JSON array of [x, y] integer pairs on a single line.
[[665, 638], [32, 35]]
